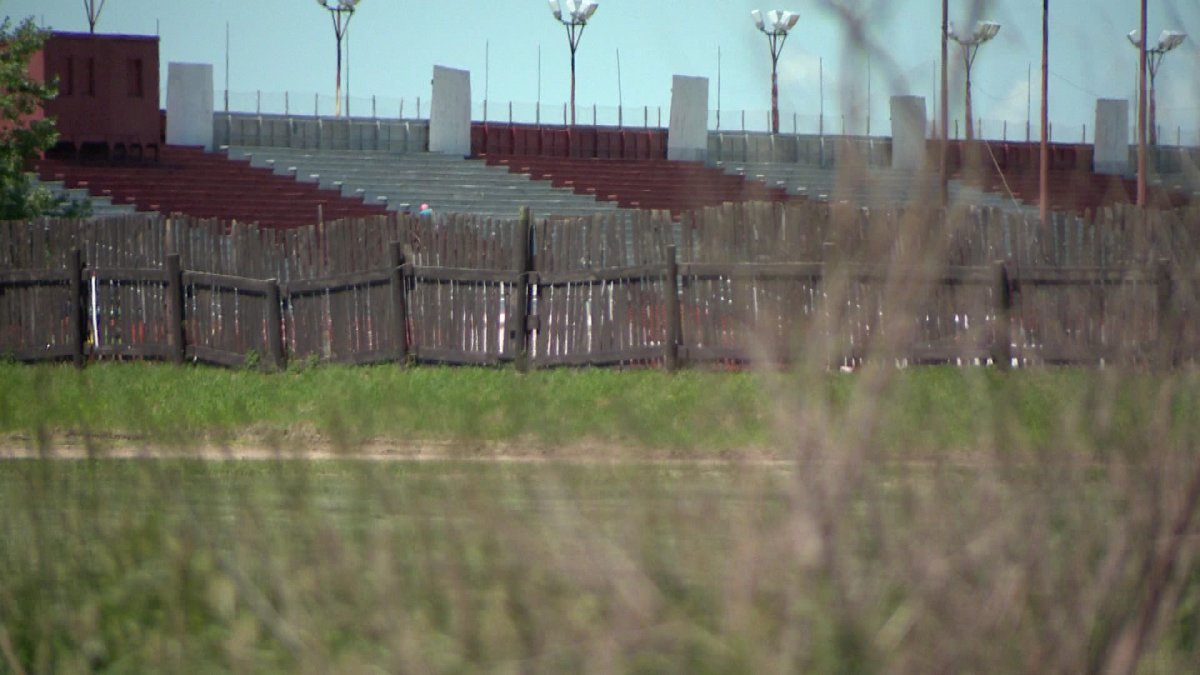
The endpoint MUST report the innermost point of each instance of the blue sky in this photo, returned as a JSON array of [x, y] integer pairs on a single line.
[[288, 45]]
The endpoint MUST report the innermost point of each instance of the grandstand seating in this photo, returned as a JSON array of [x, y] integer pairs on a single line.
[[190, 181], [645, 184], [1071, 190], [402, 182]]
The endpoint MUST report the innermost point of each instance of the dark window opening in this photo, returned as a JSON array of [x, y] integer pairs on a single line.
[[134, 77], [67, 84], [91, 77]]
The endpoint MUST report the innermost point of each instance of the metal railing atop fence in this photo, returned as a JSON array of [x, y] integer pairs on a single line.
[[741, 283]]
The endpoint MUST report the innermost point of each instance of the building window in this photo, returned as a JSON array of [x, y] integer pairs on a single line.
[[67, 84], [134, 77], [91, 77]]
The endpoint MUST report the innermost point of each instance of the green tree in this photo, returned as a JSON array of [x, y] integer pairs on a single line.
[[21, 137]]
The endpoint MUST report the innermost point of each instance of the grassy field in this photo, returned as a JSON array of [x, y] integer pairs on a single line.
[[692, 413], [926, 520]]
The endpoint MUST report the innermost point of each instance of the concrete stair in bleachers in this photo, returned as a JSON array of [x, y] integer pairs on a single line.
[[404, 181], [1017, 191], [101, 207], [879, 188], [645, 184]]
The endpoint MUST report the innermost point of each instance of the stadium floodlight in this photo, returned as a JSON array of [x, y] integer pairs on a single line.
[[574, 16], [340, 11], [1167, 40], [984, 31], [776, 27]]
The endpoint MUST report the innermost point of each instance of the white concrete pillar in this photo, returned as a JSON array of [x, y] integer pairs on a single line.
[[687, 137], [1111, 154], [450, 112], [190, 104], [908, 132]]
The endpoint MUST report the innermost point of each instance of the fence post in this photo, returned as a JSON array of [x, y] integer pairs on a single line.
[[671, 289], [518, 332], [75, 316], [399, 300], [275, 356], [1167, 333], [1002, 301], [175, 307]]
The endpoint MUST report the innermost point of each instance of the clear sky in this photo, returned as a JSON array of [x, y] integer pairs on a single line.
[[288, 45]]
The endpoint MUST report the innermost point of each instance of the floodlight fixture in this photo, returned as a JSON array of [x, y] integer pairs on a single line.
[[1170, 39], [1167, 40], [574, 19], [776, 27], [984, 31]]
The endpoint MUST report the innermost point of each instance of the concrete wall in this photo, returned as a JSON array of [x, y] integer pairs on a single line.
[[687, 138], [908, 132], [317, 133], [190, 104], [1112, 137], [450, 112]]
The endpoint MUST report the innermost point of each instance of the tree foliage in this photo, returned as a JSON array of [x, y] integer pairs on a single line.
[[21, 137]]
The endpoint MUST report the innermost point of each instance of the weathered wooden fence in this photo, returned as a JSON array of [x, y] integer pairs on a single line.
[[740, 283]]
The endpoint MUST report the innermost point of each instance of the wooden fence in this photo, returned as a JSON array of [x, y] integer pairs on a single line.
[[741, 283]]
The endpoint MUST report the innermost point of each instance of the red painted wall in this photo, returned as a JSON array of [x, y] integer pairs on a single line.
[[498, 138], [107, 88]]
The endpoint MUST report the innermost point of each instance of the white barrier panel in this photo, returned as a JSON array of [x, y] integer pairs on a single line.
[[1112, 137], [908, 132], [687, 138], [450, 112], [190, 104]]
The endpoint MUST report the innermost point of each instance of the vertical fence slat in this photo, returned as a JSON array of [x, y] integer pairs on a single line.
[[518, 331], [275, 354], [175, 307], [75, 305], [399, 301]]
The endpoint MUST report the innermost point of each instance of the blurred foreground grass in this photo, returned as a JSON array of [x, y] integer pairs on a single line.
[[929, 520]]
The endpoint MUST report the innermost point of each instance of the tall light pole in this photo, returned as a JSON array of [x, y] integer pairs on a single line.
[[775, 27], [1168, 40], [984, 31], [944, 151], [93, 9], [574, 19], [340, 12], [1044, 145]]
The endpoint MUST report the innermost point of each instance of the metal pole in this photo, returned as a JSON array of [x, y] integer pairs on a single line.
[[1141, 170], [774, 85], [620, 98], [821, 79], [347, 74], [1044, 153], [943, 162], [968, 56], [718, 87]]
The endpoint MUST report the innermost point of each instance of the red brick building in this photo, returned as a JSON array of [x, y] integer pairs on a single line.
[[107, 92]]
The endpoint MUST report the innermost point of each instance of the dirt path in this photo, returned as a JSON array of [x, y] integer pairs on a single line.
[[67, 447]]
